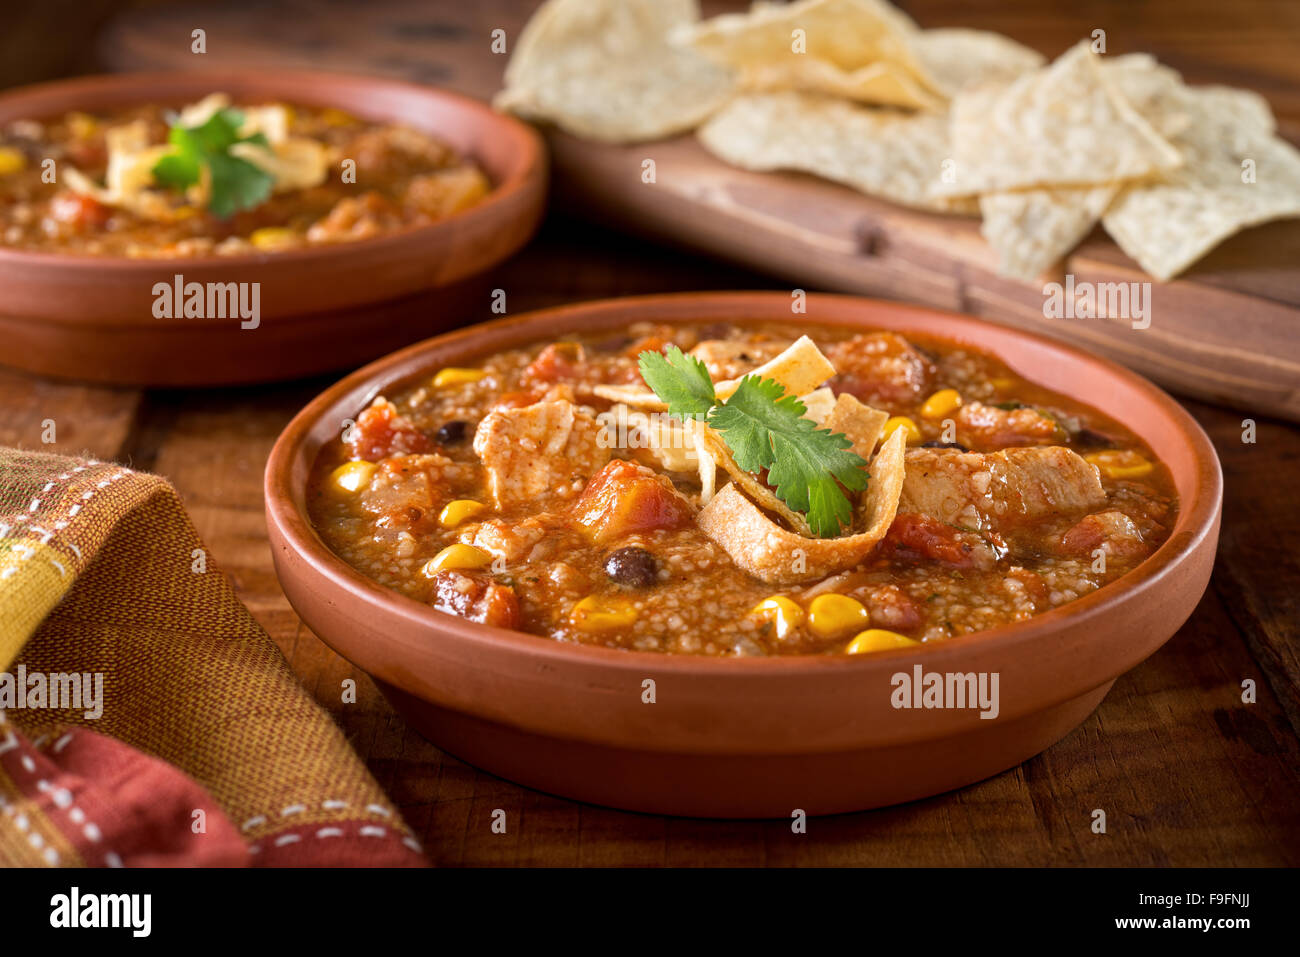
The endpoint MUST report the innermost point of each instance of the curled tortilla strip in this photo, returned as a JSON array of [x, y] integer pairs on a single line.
[[708, 465], [860, 423], [780, 557], [799, 369], [754, 488]]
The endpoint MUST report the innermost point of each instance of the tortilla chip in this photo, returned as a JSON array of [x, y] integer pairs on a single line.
[[800, 369], [860, 424], [1065, 125], [780, 557], [1032, 229], [885, 153], [858, 49], [958, 58], [604, 69], [1168, 225]]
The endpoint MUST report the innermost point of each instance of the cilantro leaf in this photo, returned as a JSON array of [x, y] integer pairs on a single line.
[[680, 380], [235, 182], [766, 429]]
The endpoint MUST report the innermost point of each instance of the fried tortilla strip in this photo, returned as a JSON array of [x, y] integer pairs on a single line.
[[860, 423], [604, 70], [753, 486], [977, 491], [775, 555], [820, 403], [1065, 125], [799, 369], [857, 49], [896, 156]]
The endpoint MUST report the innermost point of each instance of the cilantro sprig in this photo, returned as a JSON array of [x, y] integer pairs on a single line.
[[809, 468], [235, 183]]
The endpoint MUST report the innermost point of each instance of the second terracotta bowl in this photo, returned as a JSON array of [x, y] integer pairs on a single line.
[[744, 737], [327, 307]]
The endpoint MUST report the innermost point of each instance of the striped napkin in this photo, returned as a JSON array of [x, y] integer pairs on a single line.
[[146, 719]]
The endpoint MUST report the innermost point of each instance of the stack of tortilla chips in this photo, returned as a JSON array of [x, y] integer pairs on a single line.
[[953, 121]]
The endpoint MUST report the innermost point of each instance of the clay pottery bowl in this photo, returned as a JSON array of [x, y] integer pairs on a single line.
[[329, 307], [744, 737]]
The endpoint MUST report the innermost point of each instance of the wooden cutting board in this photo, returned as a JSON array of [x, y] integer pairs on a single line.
[[1228, 330]]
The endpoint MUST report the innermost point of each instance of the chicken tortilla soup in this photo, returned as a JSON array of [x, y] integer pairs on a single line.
[[218, 179], [739, 489]]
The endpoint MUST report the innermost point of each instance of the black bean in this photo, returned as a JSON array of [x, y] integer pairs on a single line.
[[632, 566], [1091, 438], [449, 433], [936, 444]]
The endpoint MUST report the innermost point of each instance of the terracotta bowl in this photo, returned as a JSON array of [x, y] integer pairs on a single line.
[[91, 317], [744, 737]]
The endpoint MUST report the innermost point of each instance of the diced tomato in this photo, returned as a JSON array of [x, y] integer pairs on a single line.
[[920, 536], [648, 344], [558, 362], [623, 498], [382, 431], [477, 598], [79, 211]]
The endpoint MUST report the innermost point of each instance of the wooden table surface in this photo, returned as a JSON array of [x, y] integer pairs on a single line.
[[1187, 773]]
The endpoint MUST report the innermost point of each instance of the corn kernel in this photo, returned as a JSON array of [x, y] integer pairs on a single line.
[[453, 376], [331, 116], [902, 422], [1120, 463], [877, 639], [455, 512], [941, 403], [351, 477], [273, 237], [82, 125], [11, 161], [455, 558], [602, 614], [830, 615], [784, 614]]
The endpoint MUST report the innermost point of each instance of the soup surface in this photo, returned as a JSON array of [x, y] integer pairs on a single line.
[[541, 490], [219, 179]]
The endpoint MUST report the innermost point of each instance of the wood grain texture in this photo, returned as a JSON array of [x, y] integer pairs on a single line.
[[1224, 331], [1187, 773]]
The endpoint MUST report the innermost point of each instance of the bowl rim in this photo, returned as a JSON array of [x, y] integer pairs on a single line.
[[530, 156], [1198, 515]]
